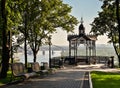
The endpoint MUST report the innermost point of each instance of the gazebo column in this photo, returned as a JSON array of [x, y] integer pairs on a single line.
[[93, 48], [76, 52], [74, 49], [86, 52], [94, 51], [90, 47], [69, 49]]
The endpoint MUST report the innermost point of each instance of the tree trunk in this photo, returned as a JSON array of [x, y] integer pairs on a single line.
[[25, 46], [5, 46], [35, 55], [114, 45], [118, 20], [25, 53]]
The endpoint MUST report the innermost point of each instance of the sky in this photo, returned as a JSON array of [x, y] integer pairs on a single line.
[[88, 10]]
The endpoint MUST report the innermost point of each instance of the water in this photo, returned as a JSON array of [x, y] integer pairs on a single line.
[[40, 56], [44, 57]]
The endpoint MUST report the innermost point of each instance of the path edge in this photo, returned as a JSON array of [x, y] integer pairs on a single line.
[[90, 81]]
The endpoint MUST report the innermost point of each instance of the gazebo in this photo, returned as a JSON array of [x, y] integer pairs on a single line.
[[88, 40]]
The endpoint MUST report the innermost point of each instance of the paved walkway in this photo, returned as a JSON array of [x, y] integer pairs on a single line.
[[62, 79], [70, 77]]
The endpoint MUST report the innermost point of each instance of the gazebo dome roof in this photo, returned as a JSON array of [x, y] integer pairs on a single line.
[[81, 27]]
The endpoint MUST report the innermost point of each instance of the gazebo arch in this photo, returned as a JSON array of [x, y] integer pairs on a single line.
[[88, 40]]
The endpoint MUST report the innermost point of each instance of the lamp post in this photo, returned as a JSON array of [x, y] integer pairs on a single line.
[[49, 39]]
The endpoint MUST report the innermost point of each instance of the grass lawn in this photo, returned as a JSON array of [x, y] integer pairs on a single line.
[[105, 79]]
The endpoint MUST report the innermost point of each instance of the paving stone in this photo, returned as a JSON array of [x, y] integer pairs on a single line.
[[62, 79]]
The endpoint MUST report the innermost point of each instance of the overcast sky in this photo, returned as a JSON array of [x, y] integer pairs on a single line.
[[88, 10]]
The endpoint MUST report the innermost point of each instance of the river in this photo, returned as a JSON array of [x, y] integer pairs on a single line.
[[41, 56]]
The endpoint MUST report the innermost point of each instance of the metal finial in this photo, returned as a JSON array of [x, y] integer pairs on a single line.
[[81, 20]]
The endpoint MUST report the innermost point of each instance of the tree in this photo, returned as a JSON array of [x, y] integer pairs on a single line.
[[106, 23], [0, 32], [45, 20], [5, 50], [24, 8], [8, 17], [118, 20]]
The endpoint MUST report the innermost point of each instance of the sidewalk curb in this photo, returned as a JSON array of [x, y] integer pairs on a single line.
[[90, 81]]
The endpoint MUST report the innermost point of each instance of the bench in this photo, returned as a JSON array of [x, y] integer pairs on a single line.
[[18, 71], [36, 68]]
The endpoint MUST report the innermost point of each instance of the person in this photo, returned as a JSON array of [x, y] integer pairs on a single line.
[[108, 62], [60, 63], [112, 61]]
